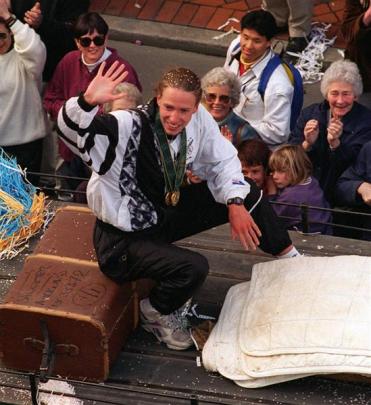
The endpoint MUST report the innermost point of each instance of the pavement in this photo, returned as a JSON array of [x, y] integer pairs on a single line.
[[194, 25]]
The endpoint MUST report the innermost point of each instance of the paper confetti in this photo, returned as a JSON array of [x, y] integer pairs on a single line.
[[23, 211]]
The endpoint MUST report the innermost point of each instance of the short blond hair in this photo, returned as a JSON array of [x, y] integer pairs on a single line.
[[293, 160], [130, 91]]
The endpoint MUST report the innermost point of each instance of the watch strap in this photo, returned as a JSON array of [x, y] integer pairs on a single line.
[[235, 200]]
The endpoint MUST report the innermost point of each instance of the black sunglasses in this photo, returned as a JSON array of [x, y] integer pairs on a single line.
[[3, 35], [211, 98], [86, 41]]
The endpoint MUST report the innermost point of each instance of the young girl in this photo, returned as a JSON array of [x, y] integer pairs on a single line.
[[254, 156], [291, 173]]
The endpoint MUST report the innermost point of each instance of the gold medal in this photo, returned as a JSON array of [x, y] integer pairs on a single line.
[[174, 197], [168, 198]]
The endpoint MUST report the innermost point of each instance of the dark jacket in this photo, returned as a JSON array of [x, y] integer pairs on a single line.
[[358, 38], [353, 177], [348, 184], [329, 165], [56, 27]]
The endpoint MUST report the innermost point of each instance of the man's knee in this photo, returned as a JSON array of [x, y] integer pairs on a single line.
[[198, 269]]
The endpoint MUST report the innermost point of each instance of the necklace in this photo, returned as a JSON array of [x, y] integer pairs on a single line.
[[173, 171]]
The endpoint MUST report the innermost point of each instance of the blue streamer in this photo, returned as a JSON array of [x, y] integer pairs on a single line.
[[14, 183]]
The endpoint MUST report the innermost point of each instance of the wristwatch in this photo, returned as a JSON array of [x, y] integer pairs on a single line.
[[235, 200]]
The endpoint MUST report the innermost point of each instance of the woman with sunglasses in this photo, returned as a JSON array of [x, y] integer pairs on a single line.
[[220, 94], [77, 69], [22, 118]]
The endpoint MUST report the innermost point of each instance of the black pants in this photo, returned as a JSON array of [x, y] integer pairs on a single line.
[[179, 272]]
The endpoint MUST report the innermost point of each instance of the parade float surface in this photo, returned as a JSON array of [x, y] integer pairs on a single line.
[[147, 372]]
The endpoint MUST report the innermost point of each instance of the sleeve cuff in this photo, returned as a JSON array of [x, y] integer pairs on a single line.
[[83, 104]]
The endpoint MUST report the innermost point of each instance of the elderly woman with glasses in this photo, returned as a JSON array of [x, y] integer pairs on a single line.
[[22, 118], [220, 93], [332, 132], [78, 68]]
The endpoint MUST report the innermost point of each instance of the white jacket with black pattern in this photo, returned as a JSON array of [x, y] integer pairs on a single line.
[[110, 142]]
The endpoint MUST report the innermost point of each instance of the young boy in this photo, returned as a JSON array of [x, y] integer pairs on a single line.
[[254, 156]]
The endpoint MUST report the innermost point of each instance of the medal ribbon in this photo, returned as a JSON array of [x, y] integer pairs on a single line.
[[173, 171]]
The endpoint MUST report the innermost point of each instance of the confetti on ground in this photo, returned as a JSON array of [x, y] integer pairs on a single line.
[[310, 61], [60, 393]]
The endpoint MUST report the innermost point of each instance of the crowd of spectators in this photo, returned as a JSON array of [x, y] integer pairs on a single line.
[[330, 134]]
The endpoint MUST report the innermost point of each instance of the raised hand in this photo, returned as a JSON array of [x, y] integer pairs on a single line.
[[334, 131], [101, 88], [34, 16], [4, 9], [311, 132], [243, 227]]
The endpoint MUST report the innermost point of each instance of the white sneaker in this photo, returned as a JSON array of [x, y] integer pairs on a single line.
[[170, 329]]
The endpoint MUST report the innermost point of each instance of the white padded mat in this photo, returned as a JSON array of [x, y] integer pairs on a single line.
[[275, 328], [221, 352], [309, 304]]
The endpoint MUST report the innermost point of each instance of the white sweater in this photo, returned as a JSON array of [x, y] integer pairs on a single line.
[[22, 117]]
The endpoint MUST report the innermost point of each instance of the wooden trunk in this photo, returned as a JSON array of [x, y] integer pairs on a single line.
[[71, 235], [87, 316]]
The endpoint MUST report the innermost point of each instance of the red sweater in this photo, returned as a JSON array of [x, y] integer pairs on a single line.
[[71, 77]]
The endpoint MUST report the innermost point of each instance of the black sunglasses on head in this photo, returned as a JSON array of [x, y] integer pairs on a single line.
[[3, 35], [86, 41]]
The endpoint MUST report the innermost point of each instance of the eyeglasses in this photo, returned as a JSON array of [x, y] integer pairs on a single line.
[[212, 97], [3, 35], [86, 41]]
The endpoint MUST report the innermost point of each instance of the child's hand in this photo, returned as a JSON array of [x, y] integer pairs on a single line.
[[192, 178], [311, 132], [226, 133]]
